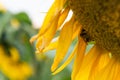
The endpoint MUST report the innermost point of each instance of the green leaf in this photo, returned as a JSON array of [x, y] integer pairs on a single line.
[[23, 17]]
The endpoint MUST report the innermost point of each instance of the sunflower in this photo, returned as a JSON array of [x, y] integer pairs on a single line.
[[10, 64], [92, 20]]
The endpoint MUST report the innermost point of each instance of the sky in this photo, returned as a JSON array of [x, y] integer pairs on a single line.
[[36, 9]]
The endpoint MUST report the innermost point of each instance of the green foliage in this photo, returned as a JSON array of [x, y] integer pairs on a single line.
[[23, 17], [18, 35]]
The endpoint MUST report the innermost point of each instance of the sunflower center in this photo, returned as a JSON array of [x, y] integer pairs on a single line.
[[101, 19]]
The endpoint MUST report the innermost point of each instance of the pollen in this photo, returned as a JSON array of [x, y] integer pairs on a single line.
[[101, 20]]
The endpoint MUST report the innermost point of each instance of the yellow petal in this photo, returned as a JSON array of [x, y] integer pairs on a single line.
[[55, 9], [99, 64], [61, 3], [33, 38], [79, 57], [50, 18], [66, 62], [40, 45], [76, 29], [45, 39], [87, 63], [63, 16], [109, 72], [51, 46], [117, 75], [63, 43]]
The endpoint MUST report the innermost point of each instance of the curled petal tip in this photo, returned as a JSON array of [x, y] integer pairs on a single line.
[[33, 39]]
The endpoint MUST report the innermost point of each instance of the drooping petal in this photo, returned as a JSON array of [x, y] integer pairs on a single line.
[[51, 46], [55, 9], [63, 16], [33, 38], [50, 18], [61, 3], [67, 61], [63, 43], [76, 29], [46, 38], [79, 57]]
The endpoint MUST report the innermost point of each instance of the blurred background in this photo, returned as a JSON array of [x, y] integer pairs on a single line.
[[19, 21]]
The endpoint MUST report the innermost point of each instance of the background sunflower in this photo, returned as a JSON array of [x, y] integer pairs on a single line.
[[18, 60]]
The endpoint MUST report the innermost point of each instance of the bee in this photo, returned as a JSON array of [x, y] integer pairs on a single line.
[[101, 20]]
